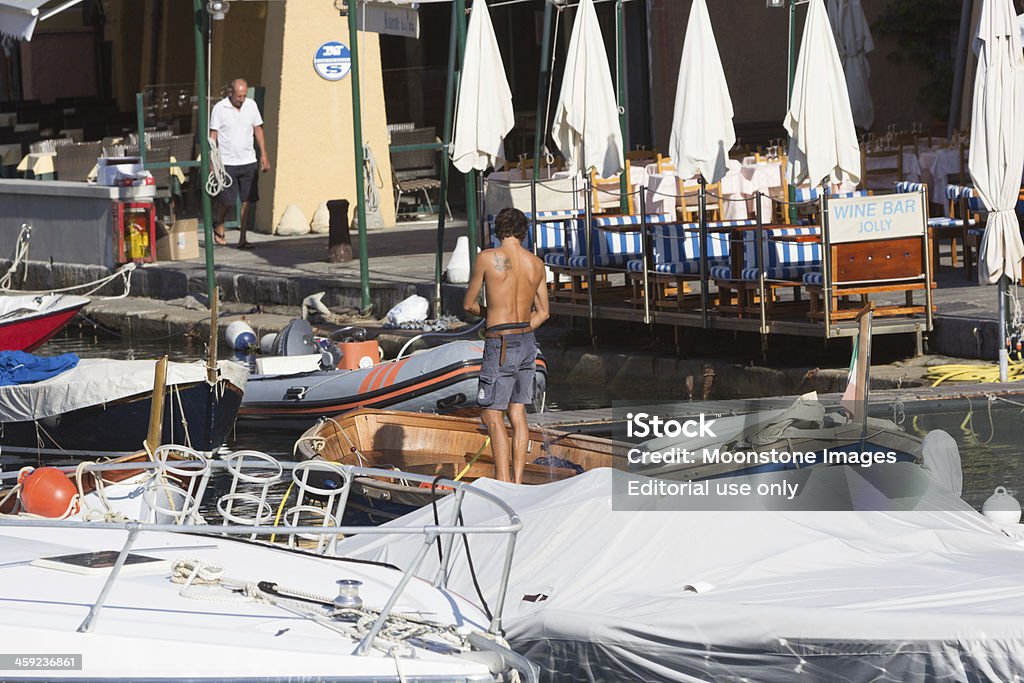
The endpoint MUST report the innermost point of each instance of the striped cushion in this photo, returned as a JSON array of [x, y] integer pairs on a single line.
[[907, 186], [793, 273], [674, 242], [806, 194], [550, 234], [634, 219], [814, 277], [558, 260], [689, 267], [943, 222], [959, 192]]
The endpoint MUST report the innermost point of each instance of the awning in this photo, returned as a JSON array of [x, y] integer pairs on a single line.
[[18, 18]]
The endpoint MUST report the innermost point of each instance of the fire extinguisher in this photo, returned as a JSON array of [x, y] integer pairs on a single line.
[[138, 238]]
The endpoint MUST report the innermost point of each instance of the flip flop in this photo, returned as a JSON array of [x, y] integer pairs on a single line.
[[219, 239], [245, 245]]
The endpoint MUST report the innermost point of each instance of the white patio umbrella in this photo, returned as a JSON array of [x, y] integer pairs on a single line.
[[997, 148], [997, 142], [586, 125], [822, 138], [702, 128], [484, 114], [853, 38]]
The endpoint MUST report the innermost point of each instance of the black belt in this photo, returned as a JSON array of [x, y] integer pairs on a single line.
[[501, 331]]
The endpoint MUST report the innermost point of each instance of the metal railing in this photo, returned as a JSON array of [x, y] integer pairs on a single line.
[[189, 479]]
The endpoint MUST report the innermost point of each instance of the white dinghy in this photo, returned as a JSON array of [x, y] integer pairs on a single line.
[[103, 596]]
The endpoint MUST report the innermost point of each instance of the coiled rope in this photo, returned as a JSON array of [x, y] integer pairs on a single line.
[[219, 180]]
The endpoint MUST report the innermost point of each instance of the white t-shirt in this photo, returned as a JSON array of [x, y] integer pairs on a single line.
[[235, 131]]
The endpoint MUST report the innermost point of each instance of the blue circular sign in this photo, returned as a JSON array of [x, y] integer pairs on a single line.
[[332, 61]]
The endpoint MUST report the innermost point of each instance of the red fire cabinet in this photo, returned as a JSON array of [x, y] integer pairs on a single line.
[[134, 232]]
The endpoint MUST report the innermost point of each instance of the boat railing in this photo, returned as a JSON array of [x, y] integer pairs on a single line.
[[174, 491]]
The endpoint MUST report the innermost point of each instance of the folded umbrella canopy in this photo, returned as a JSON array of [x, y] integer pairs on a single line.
[[997, 142], [702, 128], [853, 38], [822, 138], [18, 18], [586, 125], [484, 114]]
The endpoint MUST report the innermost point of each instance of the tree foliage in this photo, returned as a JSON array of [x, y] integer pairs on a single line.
[[926, 36]]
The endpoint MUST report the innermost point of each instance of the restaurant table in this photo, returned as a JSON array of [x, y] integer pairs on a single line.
[[737, 188], [25, 127], [8, 118], [937, 165], [911, 170]]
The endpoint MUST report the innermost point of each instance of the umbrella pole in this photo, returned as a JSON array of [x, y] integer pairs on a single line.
[[589, 243], [442, 206], [702, 233], [1004, 290], [620, 59], [645, 243], [541, 118], [470, 178]]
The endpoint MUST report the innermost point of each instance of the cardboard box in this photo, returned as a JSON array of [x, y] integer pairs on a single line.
[[178, 241]]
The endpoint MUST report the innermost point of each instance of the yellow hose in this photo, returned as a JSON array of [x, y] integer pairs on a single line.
[[280, 508], [972, 373], [473, 460]]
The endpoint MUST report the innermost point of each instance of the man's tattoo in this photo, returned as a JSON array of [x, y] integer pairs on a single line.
[[502, 263]]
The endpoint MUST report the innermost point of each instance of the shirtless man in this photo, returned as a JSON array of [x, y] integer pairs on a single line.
[[517, 304]]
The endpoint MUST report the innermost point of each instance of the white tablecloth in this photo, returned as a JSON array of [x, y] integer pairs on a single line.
[[737, 187], [8, 118], [25, 127], [936, 165]]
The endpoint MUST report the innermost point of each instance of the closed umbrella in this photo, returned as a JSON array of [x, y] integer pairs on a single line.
[[484, 114], [18, 18], [997, 143], [853, 38], [997, 147], [702, 129], [586, 125], [822, 138]]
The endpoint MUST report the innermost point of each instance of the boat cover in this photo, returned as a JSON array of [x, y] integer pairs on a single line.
[[18, 367], [10, 304], [934, 592], [96, 381]]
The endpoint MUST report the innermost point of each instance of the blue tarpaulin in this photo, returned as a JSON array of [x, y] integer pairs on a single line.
[[18, 367]]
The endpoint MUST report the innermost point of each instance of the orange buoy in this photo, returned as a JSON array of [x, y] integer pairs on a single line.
[[47, 492]]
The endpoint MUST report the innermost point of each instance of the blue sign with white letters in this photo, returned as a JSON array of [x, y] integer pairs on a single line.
[[332, 61]]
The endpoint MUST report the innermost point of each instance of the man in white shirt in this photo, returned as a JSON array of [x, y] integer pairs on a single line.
[[234, 123]]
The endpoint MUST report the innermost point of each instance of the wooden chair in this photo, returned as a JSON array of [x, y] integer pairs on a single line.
[[881, 169], [688, 202], [675, 260], [606, 193], [74, 162], [665, 164]]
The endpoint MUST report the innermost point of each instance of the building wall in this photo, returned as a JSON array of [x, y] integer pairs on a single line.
[[752, 40], [309, 120], [59, 63]]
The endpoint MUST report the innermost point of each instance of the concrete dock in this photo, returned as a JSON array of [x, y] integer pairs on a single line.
[[277, 273]]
